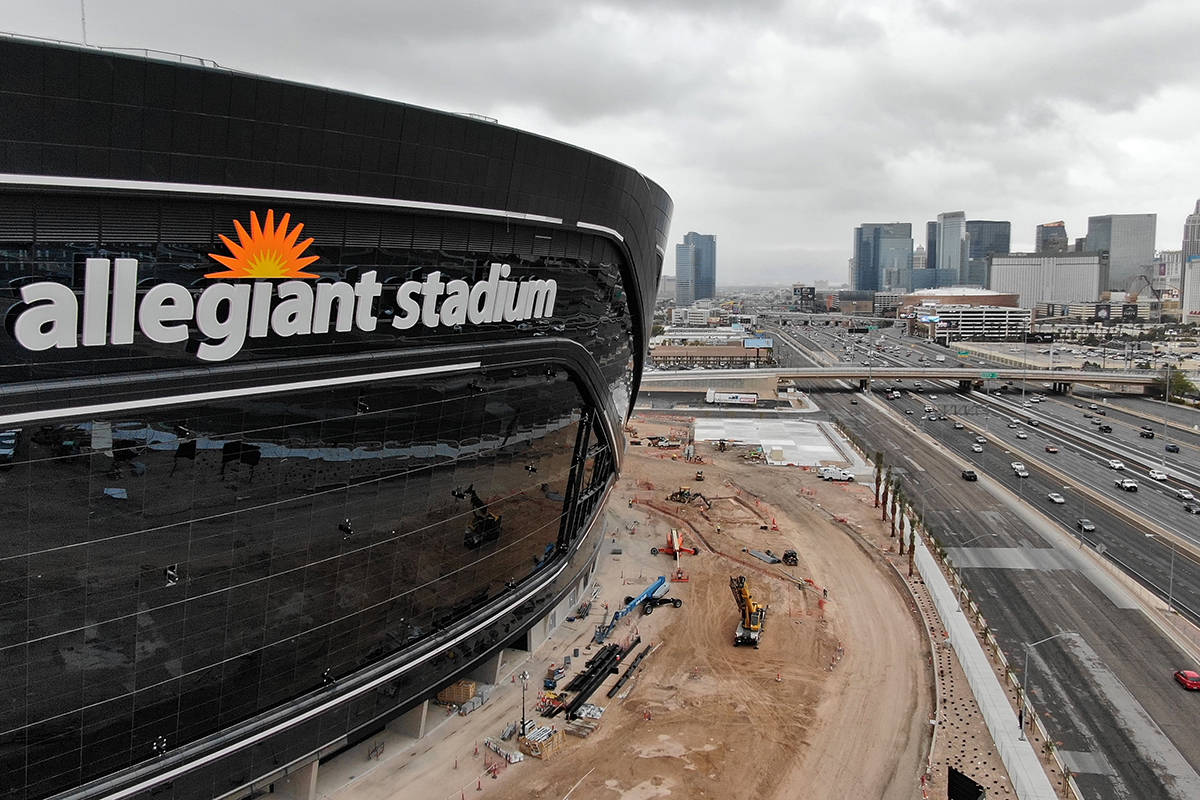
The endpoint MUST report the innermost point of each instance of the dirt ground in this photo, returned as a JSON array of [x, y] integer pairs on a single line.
[[835, 700]]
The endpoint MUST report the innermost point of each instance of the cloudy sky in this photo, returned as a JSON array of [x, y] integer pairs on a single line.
[[777, 125]]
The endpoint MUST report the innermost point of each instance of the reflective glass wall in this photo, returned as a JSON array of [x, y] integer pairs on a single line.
[[168, 573]]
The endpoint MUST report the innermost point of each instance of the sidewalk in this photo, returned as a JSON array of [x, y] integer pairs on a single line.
[[1024, 769]]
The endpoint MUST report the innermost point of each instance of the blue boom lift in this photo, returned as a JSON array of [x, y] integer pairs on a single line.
[[602, 631]]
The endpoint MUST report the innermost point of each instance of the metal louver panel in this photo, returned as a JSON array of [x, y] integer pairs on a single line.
[[129, 221], [62, 219], [16, 219]]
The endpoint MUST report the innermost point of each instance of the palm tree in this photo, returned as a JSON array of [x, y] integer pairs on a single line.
[[889, 487], [878, 475], [896, 509], [898, 518]]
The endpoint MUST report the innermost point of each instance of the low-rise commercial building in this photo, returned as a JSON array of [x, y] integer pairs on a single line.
[[719, 356], [974, 323]]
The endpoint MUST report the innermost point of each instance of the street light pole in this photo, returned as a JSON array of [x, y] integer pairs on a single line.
[[524, 676], [1025, 682]]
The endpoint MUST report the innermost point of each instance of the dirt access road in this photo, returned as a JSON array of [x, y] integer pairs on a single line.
[[790, 719]]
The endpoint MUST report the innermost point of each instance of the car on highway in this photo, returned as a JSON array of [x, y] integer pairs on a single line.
[[1097, 421], [981, 439], [1022, 435], [1087, 415], [1105, 429], [1051, 448], [1021, 473], [969, 475], [1102, 412], [1184, 494], [1092, 406], [958, 426], [1146, 434], [1012, 424], [1016, 465], [1191, 508], [1188, 678], [1116, 464], [853, 402], [977, 448], [908, 411], [1126, 484], [1056, 498], [1157, 474], [1033, 423], [1084, 524], [1171, 448], [928, 409]]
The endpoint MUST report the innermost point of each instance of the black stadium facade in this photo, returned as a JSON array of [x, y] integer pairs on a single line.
[[308, 404]]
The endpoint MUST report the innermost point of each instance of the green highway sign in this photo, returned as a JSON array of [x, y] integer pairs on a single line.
[[989, 374], [964, 352], [872, 327]]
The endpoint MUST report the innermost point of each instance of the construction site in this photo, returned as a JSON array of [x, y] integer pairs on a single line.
[[735, 643]]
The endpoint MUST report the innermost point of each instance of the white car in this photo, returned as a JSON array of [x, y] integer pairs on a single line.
[[1022, 435], [1017, 466], [1022, 473], [1157, 474], [981, 439], [1056, 498], [976, 448], [1115, 464]]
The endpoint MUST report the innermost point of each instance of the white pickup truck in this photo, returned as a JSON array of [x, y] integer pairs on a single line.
[[1126, 484]]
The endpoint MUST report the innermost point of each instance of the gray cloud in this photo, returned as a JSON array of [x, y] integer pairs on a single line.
[[778, 125]]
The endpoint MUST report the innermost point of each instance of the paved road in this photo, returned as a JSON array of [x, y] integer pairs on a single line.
[[1106, 695]]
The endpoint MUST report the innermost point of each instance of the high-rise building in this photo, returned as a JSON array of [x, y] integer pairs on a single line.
[[931, 234], [1191, 290], [703, 256], [1167, 279], [882, 252], [1052, 238], [1129, 240], [685, 275], [1191, 244], [952, 253], [1049, 277], [984, 238], [919, 260]]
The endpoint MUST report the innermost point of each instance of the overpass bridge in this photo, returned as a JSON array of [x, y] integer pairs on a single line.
[[1059, 380]]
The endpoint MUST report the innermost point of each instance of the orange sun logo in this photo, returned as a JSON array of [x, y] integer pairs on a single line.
[[266, 251]]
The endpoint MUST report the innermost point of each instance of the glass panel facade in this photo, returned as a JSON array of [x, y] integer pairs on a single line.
[[167, 573]]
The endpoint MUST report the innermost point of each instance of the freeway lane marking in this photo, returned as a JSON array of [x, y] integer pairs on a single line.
[[1152, 744]]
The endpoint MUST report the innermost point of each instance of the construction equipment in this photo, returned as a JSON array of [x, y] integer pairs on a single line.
[[749, 630], [686, 495], [699, 475], [658, 598], [674, 546], [790, 558], [602, 631], [484, 526]]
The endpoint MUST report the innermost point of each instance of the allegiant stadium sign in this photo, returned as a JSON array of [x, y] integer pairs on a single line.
[[52, 316]]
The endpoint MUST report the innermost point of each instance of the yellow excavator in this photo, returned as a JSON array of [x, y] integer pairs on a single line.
[[749, 630]]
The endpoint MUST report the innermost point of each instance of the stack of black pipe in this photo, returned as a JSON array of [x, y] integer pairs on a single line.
[[629, 671]]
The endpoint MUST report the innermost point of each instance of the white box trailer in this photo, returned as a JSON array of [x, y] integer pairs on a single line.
[[733, 398]]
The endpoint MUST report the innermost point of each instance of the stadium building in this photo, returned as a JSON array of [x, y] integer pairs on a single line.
[[309, 403]]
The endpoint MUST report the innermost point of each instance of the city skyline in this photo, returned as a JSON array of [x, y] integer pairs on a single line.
[[921, 107]]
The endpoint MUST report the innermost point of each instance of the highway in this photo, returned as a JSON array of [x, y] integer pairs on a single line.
[[1106, 695]]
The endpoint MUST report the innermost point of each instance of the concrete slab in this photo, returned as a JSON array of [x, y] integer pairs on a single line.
[[1091, 763], [800, 443], [1040, 558]]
